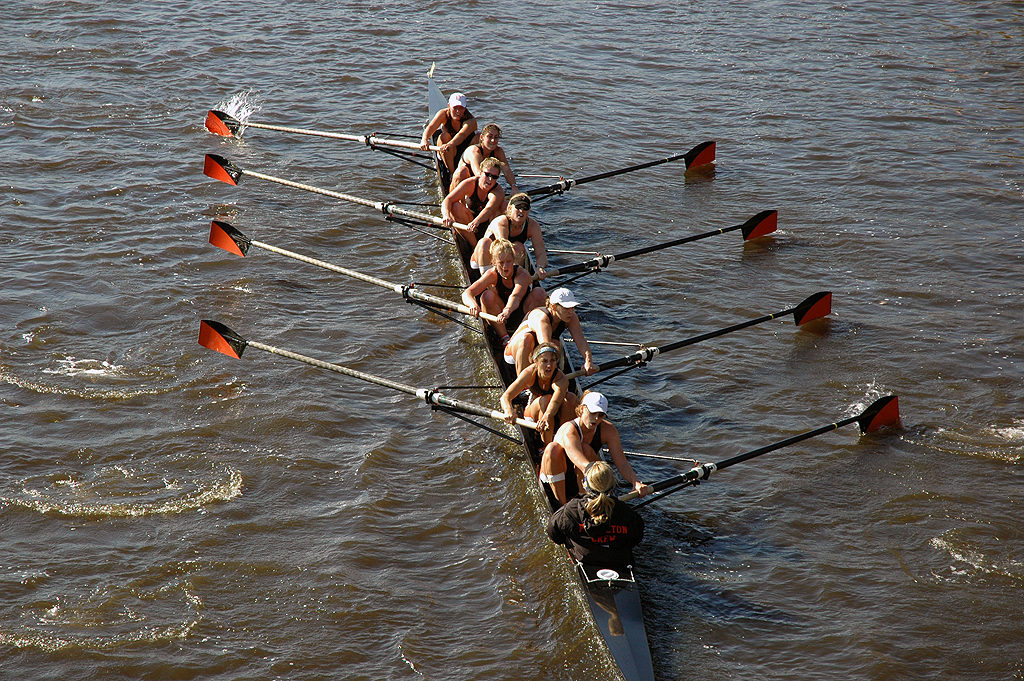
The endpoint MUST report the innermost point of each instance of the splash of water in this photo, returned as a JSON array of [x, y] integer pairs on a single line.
[[241, 106]]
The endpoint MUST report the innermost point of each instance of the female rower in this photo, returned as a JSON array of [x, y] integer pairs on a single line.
[[505, 291], [598, 529], [517, 226], [578, 442], [457, 126], [474, 202], [546, 324], [487, 147], [551, 403]]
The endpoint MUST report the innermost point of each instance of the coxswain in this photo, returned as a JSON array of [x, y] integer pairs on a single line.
[[546, 324], [598, 529], [487, 147], [505, 291], [457, 126], [550, 403], [517, 226], [578, 443], [474, 202]]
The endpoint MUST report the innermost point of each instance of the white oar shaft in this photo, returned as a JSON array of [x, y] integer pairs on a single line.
[[368, 140], [397, 288], [432, 396], [382, 206]]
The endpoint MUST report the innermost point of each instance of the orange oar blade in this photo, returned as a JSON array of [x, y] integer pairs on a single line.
[[219, 168], [765, 222], [216, 336], [814, 307], [223, 235], [700, 155], [220, 123], [883, 412]]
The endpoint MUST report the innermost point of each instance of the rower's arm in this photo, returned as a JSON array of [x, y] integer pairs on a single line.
[[470, 293], [517, 386], [506, 169], [466, 131], [540, 251], [619, 457], [432, 127], [576, 331]]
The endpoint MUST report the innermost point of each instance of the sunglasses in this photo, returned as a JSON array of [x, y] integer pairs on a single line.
[[493, 177]]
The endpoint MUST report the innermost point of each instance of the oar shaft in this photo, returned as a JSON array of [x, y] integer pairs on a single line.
[[405, 291], [785, 443], [605, 260], [382, 206], [368, 140], [647, 354], [622, 171], [430, 396]]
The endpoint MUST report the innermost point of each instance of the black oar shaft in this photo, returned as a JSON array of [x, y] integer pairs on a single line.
[[882, 412], [647, 354], [622, 171], [605, 260]]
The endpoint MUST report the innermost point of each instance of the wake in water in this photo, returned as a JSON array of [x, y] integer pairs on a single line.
[[103, 617], [124, 490]]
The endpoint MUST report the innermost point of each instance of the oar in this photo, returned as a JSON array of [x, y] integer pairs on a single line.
[[227, 237], [758, 225], [700, 155], [813, 307], [217, 336], [220, 168], [226, 125], [882, 412]]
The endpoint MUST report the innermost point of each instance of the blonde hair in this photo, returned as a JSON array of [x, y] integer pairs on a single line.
[[499, 246], [491, 127], [488, 163], [600, 479]]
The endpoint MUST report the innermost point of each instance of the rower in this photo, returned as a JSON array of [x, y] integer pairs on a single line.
[[506, 291], [517, 226], [474, 202], [598, 529], [551, 402], [457, 126], [579, 442], [546, 324], [487, 147]]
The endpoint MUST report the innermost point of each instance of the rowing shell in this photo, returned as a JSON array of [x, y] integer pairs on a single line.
[[613, 597]]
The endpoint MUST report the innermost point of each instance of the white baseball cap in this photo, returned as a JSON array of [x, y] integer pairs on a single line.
[[595, 402], [563, 297], [457, 99]]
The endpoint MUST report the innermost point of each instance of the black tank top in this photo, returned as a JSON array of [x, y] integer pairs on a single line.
[[535, 389], [451, 129], [505, 292], [523, 235]]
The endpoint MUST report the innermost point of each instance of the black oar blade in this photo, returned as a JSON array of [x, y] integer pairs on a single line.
[[701, 155], [814, 307], [223, 235], [883, 412], [216, 336], [219, 168], [220, 123], [765, 222]]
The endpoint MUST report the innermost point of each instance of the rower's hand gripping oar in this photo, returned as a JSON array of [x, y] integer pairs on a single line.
[[220, 168], [813, 307], [756, 226], [701, 155], [226, 125], [882, 412], [230, 239], [217, 336]]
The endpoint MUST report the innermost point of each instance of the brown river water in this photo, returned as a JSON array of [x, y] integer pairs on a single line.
[[168, 512]]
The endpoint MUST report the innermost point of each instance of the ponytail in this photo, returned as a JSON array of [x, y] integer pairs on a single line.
[[599, 479]]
